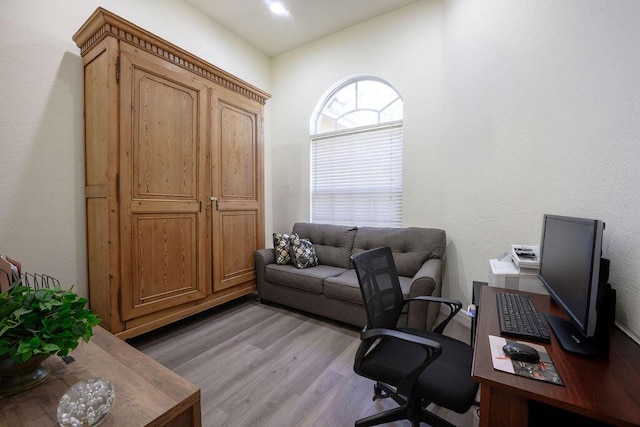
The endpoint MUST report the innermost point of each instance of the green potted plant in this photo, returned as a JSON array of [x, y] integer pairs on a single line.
[[35, 324]]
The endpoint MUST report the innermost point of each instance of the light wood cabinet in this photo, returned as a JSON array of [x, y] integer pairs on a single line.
[[173, 175]]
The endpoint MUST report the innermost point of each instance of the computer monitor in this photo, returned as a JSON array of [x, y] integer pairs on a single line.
[[572, 270]]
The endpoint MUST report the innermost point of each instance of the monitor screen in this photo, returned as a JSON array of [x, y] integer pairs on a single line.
[[570, 251]]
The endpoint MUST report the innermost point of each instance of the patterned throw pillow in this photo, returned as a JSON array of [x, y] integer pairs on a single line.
[[303, 254], [282, 245]]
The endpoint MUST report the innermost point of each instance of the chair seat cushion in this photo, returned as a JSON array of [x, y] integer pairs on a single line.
[[445, 382]]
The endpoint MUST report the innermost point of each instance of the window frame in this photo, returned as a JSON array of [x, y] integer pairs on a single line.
[[391, 184]]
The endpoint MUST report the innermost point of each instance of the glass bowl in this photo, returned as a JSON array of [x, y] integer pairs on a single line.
[[86, 403]]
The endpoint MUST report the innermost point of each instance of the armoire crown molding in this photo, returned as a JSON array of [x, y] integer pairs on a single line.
[[102, 23]]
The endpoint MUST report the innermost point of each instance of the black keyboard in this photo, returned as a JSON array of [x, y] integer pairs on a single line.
[[520, 318]]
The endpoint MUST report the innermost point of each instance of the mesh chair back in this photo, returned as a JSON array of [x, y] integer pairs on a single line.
[[380, 287]]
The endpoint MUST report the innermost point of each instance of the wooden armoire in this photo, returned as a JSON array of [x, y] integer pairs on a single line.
[[173, 178]]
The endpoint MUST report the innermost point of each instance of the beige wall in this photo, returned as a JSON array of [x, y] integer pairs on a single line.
[[42, 214], [513, 109]]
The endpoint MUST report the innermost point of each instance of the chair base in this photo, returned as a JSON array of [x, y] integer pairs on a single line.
[[402, 413], [415, 412], [383, 391]]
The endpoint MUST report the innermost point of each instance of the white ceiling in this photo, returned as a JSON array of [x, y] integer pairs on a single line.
[[309, 20]]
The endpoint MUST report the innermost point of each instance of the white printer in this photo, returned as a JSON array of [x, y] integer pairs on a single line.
[[517, 269]]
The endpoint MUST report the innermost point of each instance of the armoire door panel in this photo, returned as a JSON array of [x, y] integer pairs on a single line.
[[237, 153], [238, 245], [237, 185], [164, 149], [164, 262], [165, 128]]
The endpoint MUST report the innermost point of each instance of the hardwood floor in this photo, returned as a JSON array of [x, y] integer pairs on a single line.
[[266, 365]]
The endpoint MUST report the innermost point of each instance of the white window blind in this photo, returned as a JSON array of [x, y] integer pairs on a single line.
[[356, 176]]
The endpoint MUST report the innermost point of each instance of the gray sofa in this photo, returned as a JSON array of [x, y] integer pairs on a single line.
[[331, 288]]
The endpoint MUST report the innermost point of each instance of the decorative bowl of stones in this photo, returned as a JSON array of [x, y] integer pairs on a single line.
[[86, 403]]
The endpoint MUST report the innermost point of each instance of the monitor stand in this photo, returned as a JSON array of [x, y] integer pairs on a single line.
[[572, 340]]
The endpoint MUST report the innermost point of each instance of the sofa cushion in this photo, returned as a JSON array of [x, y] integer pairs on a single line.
[[310, 279], [333, 243], [411, 246], [346, 287], [282, 247], [303, 255]]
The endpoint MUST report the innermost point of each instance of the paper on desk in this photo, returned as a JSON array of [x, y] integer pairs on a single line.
[[543, 370]]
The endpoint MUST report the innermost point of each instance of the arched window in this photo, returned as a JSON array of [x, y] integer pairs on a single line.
[[356, 155]]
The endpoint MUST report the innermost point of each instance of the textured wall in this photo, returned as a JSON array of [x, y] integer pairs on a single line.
[[541, 116], [42, 213], [402, 47], [513, 109]]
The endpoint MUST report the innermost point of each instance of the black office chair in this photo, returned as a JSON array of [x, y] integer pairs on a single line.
[[414, 367]]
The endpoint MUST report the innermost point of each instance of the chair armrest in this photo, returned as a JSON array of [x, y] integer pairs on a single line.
[[454, 307], [431, 345], [433, 350]]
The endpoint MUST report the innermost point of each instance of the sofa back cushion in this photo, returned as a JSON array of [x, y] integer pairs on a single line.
[[411, 246], [333, 243]]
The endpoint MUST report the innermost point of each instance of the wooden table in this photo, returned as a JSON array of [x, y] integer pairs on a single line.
[[606, 390], [147, 393]]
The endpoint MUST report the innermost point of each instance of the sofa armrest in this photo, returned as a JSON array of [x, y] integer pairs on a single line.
[[453, 305], [426, 282], [263, 257]]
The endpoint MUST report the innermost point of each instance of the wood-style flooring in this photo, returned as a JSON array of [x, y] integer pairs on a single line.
[[266, 365]]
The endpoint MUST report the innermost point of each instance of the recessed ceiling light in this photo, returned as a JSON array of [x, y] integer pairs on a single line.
[[278, 8]]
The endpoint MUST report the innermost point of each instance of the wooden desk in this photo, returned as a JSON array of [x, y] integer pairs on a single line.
[[607, 390], [147, 393]]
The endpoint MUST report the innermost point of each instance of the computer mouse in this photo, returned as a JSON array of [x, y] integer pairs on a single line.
[[521, 352]]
